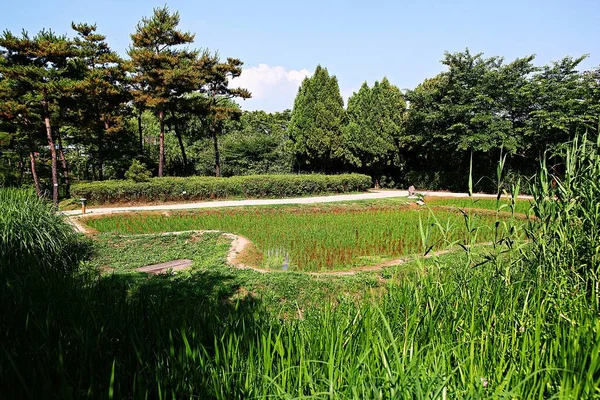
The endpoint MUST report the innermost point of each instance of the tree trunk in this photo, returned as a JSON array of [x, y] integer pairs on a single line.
[[180, 140], [52, 154], [36, 181], [65, 166], [161, 147], [140, 132], [213, 132]]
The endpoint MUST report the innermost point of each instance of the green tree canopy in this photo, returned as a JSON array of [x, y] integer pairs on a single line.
[[163, 70], [102, 94], [220, 96], [316, 122], [37, 73], [374, 133]]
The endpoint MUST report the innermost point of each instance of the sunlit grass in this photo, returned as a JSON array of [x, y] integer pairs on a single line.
[[314, 238], [512, 319]]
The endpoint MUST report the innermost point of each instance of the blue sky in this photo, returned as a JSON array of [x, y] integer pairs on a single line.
[[282, 41]]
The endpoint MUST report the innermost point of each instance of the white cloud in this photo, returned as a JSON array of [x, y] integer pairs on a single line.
[[272, 88]]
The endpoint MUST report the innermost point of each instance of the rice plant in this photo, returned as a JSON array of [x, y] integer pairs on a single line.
[[314, 239]]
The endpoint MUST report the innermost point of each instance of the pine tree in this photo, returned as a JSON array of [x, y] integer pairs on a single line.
[[40, 71], [317, 120], [20, 120], [220, 106], [162, 70], [180, 111], [102, 94]]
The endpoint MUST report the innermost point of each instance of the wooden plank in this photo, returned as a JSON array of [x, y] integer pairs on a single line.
[[175, 265]]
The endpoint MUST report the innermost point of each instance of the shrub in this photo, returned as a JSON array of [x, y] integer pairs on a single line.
[[31, 234], [458, 181], [138, 172], [202, 188]]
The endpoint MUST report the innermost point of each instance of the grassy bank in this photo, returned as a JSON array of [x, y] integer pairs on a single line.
[[512, 320]]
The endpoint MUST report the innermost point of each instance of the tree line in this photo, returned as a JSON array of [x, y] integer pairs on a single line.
[[66, 94], [72, 108], [477, 112]]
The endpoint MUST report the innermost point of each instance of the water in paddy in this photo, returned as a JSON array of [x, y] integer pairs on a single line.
[[278, 257]]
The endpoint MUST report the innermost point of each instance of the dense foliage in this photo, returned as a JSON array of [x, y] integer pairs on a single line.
[[316, 122], [203, 188], [482, 107], [373, 134], [66, 104]]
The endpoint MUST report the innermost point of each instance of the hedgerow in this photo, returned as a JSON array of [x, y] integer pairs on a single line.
[[203, 188]]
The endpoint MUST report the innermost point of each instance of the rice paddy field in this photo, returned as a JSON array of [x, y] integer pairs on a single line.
[[316, 238]]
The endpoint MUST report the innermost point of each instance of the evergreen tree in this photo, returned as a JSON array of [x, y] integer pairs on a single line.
[[316, 122], [162, 70], [39, 72], [102, 94], [373, 134], [181, 110], [220, 106], [20, 121]]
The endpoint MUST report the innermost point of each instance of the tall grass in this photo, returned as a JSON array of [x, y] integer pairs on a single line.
[[30, 233], [455, 330]]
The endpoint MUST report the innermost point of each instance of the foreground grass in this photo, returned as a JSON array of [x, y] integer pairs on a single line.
[[510, 320], [433, 328]]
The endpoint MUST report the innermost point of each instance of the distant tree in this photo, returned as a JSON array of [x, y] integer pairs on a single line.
[[39, 71], [220, 106], [316, 122], [183, 109], [478, 106], [102, 94], [162, 70], [562, 105], [257, 144], [592, 84], [373, 134], [19, 121]]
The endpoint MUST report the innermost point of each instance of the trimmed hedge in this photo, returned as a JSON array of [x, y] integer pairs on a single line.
[[202, 188]]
